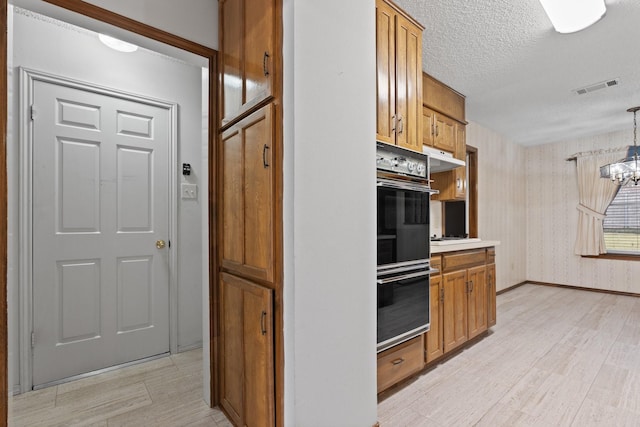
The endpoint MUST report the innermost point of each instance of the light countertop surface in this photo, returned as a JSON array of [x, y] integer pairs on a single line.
[[461, 245]]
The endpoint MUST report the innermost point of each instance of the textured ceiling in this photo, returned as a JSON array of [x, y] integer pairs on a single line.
[[518, 74]]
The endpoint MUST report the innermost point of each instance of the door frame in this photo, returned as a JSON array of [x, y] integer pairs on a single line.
[[25, 275], [159, 35]]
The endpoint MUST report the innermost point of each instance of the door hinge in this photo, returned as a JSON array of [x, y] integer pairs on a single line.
[[169, 243], [31, 112], [33, 339]]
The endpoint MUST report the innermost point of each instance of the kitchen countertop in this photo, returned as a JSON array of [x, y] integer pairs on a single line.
[[461, 245]]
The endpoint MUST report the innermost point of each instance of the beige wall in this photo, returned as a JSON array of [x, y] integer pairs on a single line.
[[501, 201], [552, 218]]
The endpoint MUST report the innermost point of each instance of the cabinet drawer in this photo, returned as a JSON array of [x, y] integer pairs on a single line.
[[491, 256], [436, 262], [400, 362], [460, 260]]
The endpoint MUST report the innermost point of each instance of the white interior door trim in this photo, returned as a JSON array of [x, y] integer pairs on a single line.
[[27, 79]]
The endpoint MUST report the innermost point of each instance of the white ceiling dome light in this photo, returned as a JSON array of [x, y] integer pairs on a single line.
[[117, 44], [569, 16]]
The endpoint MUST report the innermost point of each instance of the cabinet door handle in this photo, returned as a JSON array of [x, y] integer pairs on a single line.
[[265, 65], [393, 123], [263, 323], [400, 124], [471, 290], [265, 159], [398, 361], [442, 295]]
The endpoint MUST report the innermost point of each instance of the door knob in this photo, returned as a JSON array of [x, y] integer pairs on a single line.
[[160, 244]]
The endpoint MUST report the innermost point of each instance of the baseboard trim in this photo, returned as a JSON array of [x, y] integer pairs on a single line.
[[581, 288], [510, 288], [182, 349]]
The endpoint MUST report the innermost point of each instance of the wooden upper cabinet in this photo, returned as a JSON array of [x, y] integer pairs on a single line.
[[428, 126], [246, 362], [452, 185], [399, 77], [439, 131], [247, 34], [386, 72], [461, 142], [247, 196], [442, 98]]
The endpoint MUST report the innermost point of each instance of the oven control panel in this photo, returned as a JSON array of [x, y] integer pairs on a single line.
[[399, 160]]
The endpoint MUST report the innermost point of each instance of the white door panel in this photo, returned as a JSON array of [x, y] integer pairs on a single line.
[[100, 203]]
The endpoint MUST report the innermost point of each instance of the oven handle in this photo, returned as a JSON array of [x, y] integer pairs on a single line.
[[406, 276], [402, 269], [381, 182]]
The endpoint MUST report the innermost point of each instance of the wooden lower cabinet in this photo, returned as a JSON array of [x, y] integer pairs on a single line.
[[462, 306], [462, 300], [455, 309], [400, 362], [434, 342], [246, 356], [491, 295], [477, 300]]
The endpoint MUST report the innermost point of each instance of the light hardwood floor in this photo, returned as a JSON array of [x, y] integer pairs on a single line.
[[557, 357], [162, 392]]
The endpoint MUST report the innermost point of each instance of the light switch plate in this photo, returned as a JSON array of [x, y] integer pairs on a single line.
[[189, 191]]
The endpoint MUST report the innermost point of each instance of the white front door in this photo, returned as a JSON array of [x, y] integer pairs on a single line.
[[100, 215]]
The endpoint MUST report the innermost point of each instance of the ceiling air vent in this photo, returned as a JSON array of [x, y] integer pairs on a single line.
[[597, 86]]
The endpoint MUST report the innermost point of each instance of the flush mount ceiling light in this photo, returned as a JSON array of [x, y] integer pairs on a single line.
[[116, 44], [628, 169], [569, 16]]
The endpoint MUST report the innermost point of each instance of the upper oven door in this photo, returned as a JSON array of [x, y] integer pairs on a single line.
[[403, 222]]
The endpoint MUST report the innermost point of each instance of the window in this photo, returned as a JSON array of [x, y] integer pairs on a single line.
[[622, 222]]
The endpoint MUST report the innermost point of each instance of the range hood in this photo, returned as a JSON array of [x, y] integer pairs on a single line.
[[440, 161]]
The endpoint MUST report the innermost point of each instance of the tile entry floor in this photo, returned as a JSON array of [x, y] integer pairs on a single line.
[[162, 392], [557, 357]]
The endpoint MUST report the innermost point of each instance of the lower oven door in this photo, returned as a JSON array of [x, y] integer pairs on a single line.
[[403, 306]]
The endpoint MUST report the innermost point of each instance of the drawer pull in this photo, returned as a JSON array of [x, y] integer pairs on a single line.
[[398, 361]]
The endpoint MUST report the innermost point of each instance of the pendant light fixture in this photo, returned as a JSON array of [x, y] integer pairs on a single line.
[[569, 16], [628, 169]]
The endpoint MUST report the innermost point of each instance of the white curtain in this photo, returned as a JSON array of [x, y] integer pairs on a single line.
[[595, 195]]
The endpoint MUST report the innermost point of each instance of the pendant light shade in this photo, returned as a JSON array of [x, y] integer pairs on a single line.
[[569, 16]]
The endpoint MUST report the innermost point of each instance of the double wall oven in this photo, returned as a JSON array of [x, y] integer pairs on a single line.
[[403, 269]]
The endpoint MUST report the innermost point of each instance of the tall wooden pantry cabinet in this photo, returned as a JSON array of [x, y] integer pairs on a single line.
[[249, 213]]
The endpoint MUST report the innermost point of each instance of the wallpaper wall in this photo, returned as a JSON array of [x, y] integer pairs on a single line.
[[552, 218], [501, 201]]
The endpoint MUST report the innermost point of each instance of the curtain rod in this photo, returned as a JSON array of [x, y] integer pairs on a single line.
[[593, 152]]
